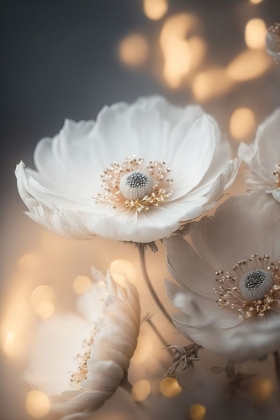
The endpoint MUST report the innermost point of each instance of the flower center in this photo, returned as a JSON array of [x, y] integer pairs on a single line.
[[276, 173], [136, 185], [255, 284], [253, 289], [81, 375]]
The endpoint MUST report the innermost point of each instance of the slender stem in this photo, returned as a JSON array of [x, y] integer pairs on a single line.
[[277, 367], [125, 384], [149, 284]]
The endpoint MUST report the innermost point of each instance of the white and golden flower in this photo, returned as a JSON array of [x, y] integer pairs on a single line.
[[133, 175], [273, 41], [229, 292], [263, 157], [80, 360]]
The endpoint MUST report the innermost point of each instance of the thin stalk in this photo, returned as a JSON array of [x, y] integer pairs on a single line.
[[158, 334], [149, 284], [277, 367]]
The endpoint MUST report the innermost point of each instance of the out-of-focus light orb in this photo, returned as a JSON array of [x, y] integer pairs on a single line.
[[255, 1], [141, 390], [121, 270], [28, 262], [176, 50], [210, 84], [255, 33], [133, 50], [8, 344], [262, 389], [170, 387], [198, 50], [242, 123], [197, 412], [81, 284], [155, 9], [37, 404], [42, 301], [143, 349], [248, 65]]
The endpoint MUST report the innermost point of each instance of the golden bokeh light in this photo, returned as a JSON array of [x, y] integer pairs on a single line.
[[197, 412], [133, 50], [28, 262], [141, 390], [198, 51], [248, 65], [155, 9], [210, 84], [16, 319], [255, 33], [81, 284], [143, 349], [176, 50], [37, 404], [42, 301], [242, 123], [121, 270], [170, 387], [255, 1], [262, 389]]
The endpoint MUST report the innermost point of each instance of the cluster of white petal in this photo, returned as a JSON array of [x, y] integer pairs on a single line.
[[242, 226], [263, 156], [61, 194], [106, 333]]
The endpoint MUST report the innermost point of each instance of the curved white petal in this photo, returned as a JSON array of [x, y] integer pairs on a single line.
[[60, 340]]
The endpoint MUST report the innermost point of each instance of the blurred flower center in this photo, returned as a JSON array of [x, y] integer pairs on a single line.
[[276, 173], [81, 374], [253, 289], [135, 185]]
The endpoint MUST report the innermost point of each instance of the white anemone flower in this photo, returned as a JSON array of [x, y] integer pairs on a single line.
[[229, 280], [273, 41], [79, 361], [263, 157], [133, 175]]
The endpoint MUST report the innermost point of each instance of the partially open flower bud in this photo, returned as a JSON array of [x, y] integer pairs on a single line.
[[273, 41]]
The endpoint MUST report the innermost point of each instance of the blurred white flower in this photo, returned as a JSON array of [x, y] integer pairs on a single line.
[[134, 151], [229, 292], [80, 361], [263, 157], [273, 41]]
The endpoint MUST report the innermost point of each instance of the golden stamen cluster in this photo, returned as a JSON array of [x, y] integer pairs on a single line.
[[277, 174], [112, 176], [229, 292], [81, 375]]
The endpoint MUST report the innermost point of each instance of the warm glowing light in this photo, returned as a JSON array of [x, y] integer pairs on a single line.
[[176, 49], [143, 349], [37, 404], [255, 1], [248, 65], [121, 270], [170, 387], [155, 9], [141, 390], [255, 33], [16, 318], [9, 343], [210, 84], [81, 284], [28, 262], [133, 50], [198, 50], [262, 389], [242, 123], [197, 412], [42, 301]]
